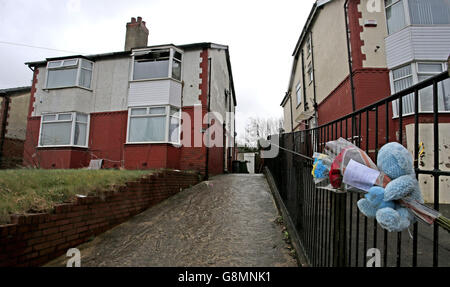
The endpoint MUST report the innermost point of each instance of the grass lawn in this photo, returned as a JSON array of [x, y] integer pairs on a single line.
[[34, 190]]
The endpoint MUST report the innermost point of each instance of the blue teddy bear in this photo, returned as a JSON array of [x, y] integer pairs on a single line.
[[381, 203]]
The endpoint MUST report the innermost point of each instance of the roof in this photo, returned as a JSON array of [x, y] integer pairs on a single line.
[[312, 15], [9, 91], [126, 53]]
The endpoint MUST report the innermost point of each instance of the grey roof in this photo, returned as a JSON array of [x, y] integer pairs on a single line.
[[126, 53], [14, 90]]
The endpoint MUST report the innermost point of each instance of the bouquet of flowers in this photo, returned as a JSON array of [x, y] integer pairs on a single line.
[[392, 193]]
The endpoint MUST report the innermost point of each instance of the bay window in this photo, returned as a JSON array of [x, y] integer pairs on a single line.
[[64, 129], [69, 73], [428, 70], [157, 64], [429, 12], [401, 13], [404, 77], [395, 15], [154, 125]]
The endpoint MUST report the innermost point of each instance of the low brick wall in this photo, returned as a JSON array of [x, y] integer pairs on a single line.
[[34, 239]]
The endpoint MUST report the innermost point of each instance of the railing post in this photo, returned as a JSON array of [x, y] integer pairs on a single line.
[[340, 234]]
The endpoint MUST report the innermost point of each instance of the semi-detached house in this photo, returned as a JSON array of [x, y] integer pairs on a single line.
[[134, 109], [353, 53]]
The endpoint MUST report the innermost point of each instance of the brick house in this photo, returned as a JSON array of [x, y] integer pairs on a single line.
[[387, 49], [133, 109], [353, 53], [13, 125]]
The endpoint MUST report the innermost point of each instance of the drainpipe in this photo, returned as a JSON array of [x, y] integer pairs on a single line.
[[230, 158], [350, 65], [305, 104], [292, 116], [5, 105], [314, 72], [208, 124]]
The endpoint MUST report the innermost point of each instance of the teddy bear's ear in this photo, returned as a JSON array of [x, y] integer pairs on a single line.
[[395, 160]]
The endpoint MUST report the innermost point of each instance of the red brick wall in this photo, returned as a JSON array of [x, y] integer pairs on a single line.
[[107, 136], [146, 156], [32, 138], [34, 239], [12, 155]]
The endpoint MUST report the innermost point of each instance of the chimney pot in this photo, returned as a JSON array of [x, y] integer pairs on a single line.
[[137, 35]]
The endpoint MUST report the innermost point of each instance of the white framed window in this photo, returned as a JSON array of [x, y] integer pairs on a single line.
[[406, 76], [429, 12], [402, 79], [401, 13], [157, 64], [64, 129], [395, 15], [298, 91], [69, 73], [427, 70], [154, 124], [309, 45], [310, 72]]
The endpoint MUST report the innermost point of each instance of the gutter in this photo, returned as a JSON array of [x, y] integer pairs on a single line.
[[350, 64]]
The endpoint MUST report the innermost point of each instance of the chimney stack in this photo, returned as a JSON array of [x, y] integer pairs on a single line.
[[137, 34]]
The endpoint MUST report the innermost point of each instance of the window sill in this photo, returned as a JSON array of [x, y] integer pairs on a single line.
[[420, 113], [62, 146], [152, 143], [155, 79], [68, 87]]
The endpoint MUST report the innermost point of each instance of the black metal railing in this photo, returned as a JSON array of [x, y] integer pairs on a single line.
[[332, 231]]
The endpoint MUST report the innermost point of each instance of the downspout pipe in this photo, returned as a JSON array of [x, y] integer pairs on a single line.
[[314, 73], [350, 64], [5, 104], [292, 114], [208, 124], [305, 103]]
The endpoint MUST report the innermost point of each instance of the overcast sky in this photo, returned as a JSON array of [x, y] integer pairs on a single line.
[[261, 35]]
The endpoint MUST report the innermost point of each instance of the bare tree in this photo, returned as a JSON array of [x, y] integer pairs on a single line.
[[257, 128]]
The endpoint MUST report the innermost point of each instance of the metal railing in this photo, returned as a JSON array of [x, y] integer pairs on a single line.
[[332, 231]]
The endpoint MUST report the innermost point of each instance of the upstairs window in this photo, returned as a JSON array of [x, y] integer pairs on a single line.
[[429, 12], [298, 90], [157, 64], [69, 73], [309, 46], [310, 72], [64, 129], [395, 15]]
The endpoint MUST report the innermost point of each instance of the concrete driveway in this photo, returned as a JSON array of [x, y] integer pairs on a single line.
[[228, 221]]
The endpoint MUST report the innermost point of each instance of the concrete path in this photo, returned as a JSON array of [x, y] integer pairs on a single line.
[[228, 221]]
